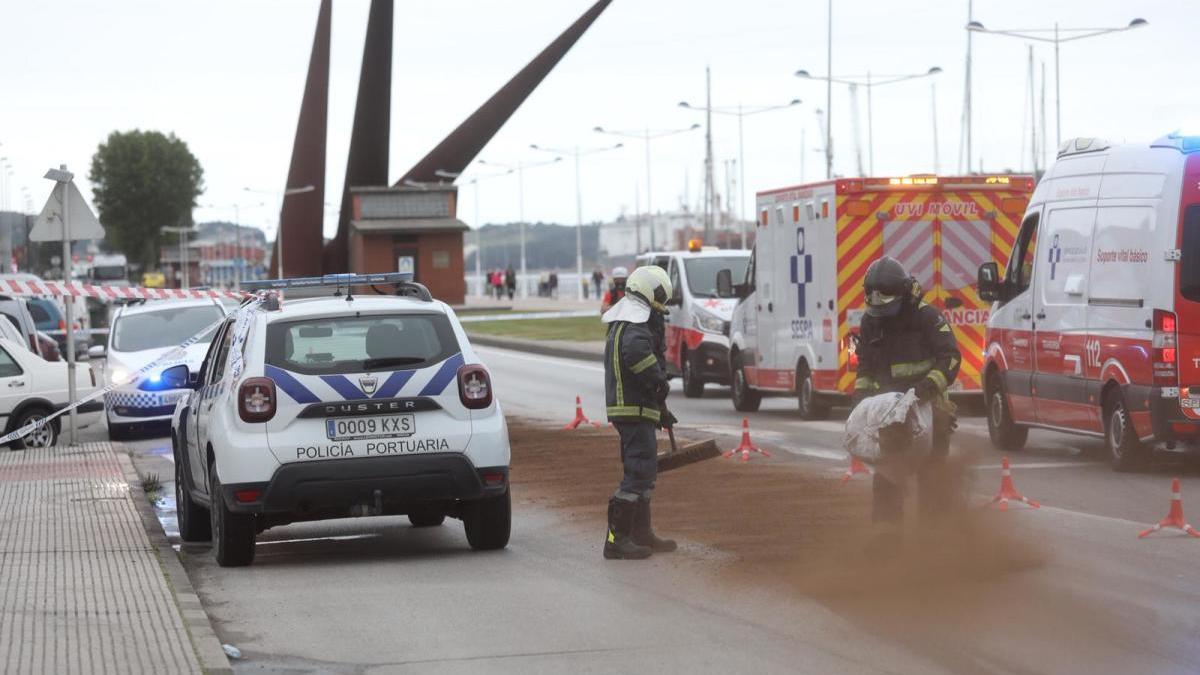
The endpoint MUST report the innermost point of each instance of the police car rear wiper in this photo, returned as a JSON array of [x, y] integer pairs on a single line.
[[392, 361]]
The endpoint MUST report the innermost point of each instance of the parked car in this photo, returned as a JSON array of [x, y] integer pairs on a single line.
[[32, 388], [141, 333], [16, 310], [50, 319], [340, 406]]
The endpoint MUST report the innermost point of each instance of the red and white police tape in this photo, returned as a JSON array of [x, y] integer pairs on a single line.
[[109, 292]]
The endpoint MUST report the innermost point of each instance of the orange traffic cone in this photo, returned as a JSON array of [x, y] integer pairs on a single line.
[[856, 467], [1007, 490], [580, 418], [746, 447], [1175, 516]]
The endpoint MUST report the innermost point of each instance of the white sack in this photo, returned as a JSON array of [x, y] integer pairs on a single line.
[[915, 420]]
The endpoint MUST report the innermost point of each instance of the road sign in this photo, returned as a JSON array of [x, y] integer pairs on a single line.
[[84, 225]]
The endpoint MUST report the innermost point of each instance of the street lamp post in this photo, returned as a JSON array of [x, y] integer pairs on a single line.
[[868, 81], [183, 270], [479, 228], [646, 135], [279, 232], [577, 153], [1058, 35], [741, 112], [519, 169]]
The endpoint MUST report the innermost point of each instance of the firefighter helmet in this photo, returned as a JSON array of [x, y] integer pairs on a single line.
[[651, 284], [886, 285]]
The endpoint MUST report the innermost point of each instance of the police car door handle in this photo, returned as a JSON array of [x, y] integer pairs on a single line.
[[16, 383]]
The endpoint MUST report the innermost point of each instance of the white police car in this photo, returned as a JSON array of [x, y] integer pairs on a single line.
[[339, 406], [143, 332]]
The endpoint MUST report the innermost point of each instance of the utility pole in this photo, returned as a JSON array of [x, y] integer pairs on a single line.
[[709, 186], [937, 165], [829, 98], [1033, 136]]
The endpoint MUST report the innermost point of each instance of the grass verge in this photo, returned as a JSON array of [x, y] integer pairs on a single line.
[[570, 329]]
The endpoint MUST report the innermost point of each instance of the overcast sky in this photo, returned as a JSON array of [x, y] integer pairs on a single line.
[[227, 77]]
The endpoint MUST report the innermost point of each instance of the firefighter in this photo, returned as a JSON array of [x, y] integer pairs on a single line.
[[906, 343], [616, 289], [635, 385]]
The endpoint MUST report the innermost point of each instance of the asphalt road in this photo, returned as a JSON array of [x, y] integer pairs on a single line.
[[375, 596]]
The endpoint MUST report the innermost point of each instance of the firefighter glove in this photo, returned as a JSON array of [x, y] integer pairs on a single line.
[[927, 390]]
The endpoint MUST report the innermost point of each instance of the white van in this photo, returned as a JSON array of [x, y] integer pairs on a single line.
[[1096, 320], [698, 325]]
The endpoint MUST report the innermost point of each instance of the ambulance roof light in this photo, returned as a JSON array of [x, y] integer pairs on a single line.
[[1178, 140], [695, 245]]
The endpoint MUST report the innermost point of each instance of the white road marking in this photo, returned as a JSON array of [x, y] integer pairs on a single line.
[[1038, 465]]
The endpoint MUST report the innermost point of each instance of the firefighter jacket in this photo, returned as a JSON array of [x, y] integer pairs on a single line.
[[635, 378], [896, 353]]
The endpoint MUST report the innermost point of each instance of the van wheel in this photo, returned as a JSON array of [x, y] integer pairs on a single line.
[[1005, 434], [745, 399], [1125, 451], [488, 522], [194, 520], [806, 397], [232, 533], [693, 386]]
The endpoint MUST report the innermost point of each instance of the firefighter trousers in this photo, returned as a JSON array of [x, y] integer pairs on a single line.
[[639, 458]]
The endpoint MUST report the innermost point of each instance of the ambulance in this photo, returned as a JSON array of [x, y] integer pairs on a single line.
[[1095, 329], [801, 301], [697, 339]]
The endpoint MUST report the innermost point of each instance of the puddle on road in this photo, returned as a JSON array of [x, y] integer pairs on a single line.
[[164, 510]]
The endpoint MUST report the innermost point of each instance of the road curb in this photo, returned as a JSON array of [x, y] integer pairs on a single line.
[[560, 350], [199, 627]]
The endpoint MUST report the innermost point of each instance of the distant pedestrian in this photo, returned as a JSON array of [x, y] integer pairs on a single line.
[[497, 284], [554, 284], [598, 279], [583, 283], [510, 281]]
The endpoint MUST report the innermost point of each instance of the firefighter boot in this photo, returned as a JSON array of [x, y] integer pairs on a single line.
[[643, 535], [619, 544]]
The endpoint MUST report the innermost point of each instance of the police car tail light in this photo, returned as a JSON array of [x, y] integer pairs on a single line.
[[256, 399], [1165, 348], [474, 386]]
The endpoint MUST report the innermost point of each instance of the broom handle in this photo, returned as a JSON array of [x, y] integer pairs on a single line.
[[671, 435]]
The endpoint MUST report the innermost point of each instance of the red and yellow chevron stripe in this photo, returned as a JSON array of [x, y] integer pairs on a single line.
[[966, 226]]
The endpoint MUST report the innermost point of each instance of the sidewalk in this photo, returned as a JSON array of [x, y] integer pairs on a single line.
[[84, 584], [533, 304]]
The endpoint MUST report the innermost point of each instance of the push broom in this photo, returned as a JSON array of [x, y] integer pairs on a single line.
[[688, 454]]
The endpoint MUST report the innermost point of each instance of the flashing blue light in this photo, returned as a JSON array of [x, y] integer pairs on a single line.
[[156, 377]]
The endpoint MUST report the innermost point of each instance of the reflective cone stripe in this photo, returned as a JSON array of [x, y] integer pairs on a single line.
[[1008, 491], [1174, 517]]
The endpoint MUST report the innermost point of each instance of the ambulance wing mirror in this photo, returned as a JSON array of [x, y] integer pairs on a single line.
[[725, 284], [989, 282]]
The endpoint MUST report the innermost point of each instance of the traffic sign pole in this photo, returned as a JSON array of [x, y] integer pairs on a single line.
[[69, 304]]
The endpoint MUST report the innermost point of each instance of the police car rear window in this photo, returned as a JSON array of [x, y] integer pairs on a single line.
[[1189, 266], [357, 344]]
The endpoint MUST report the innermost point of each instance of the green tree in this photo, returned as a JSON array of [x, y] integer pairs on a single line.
[[142, 181]]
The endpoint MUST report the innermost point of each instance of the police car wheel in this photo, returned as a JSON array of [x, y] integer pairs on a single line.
[[193, 519], [426, 518], [744, 398], [232, 533], [488, 522], [1125, 451], [1003, 432], [42, 437], [693, 386]]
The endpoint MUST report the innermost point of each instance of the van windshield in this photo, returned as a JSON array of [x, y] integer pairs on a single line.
[[357, 344], [702, 273], [1189, 265], [167, 327]]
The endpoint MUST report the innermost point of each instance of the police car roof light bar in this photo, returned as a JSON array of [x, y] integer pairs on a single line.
[[330, 281]]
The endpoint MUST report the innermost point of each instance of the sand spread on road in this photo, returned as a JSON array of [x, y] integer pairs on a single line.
[[794, 527]]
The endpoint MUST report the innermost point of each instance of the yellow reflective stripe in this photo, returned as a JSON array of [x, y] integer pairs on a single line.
[[945, 328], [634, 411], [616, 365], [866, 383], [953, 362], [911, 368], [611, 538], [644, 364], [938, 378]]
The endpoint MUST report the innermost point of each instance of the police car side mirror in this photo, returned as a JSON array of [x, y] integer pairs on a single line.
[[989, 282], [725, 284], [176, 377]]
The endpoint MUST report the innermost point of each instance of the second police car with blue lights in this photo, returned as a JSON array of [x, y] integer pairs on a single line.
[[337, 406]]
